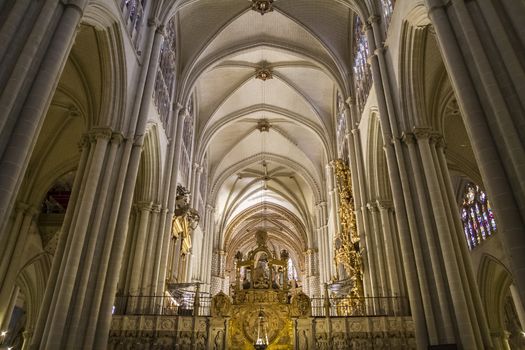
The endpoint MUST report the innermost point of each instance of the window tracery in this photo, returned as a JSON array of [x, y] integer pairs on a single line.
[[361, 69], [341, 127], [477, 216], [187, 143], [387, 8], [292, 272], [165, 73], [133, 14]]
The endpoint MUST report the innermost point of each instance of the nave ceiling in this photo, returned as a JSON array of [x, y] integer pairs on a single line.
[[266, 142]]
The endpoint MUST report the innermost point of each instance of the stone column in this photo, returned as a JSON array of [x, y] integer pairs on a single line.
[[49, 42], [147, 272], [469, 338], [307, 272], [322, 239], [465, 264], [167, 204], [27, 335], [83, 291], [12, 260], [519, 305], [432, 248], [8, 307], [127, 266], [383, 288], [69, 219], [63, 297], [97, 320], [197, 173], [390, 247], [210, 247], [334, 215], [360, 197], [493, 117], [135, 287], [417, 286], [165, 246]]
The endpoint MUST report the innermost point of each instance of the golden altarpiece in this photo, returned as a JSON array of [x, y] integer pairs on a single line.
[[262, 308], [185, 220], [261, 299]]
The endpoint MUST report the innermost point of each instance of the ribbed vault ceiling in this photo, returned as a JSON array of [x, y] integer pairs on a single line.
[[273, 176]]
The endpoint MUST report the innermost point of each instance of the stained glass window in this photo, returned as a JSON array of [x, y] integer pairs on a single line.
[[361, 69], [187, 144], [165, 73], [292, 272], [133, 13], [477, 216], [387, 8]]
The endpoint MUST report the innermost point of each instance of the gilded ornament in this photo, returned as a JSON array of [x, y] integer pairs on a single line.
[[346, 243]]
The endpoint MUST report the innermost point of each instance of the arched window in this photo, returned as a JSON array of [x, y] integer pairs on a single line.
[[165, 73], [292, 272], [133, 13], [477, 216], [187, 144], [362, 74], [387, 8]]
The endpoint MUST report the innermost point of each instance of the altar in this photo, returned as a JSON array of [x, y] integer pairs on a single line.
[[261, 308]]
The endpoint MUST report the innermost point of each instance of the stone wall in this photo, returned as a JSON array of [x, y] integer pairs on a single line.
[[186, 332]]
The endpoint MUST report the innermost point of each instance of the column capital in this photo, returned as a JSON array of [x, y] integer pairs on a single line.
[[78, 5], [385, 204], [183, 112], [22, 206], [84, 141], [372, 206], [380, 50], [117, 137], [374, 19], [437, 139], [433, 5], [148, 206], [27, 208], [408, 138], [422, 133], [177, 106], [100, 133], [321, 204]]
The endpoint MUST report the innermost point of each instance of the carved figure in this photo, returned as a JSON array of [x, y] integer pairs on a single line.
[[217, 341], [221, 305], [261, 273], [301, 305], [304, 341], [182, 201]]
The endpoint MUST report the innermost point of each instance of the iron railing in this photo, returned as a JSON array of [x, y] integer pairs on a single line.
[[163, 305], [366, 306], [189, 305]]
